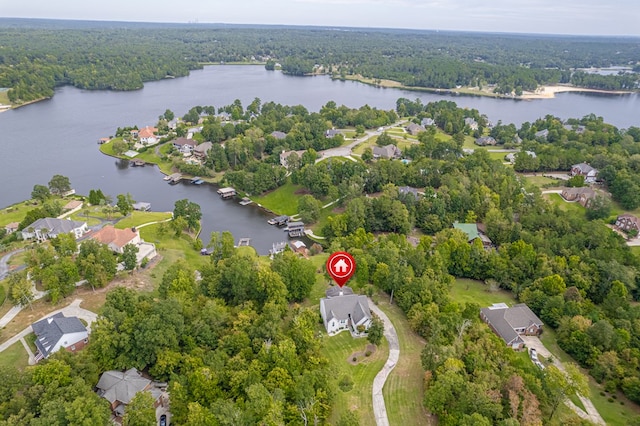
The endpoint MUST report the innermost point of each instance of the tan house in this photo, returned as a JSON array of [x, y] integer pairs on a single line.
[[413, 129], [11, 227], [116, 239], [510, 323], [147, 135], [583, 195], [387, 152], [628, 223]]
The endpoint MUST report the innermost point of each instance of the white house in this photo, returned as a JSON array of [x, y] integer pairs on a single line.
[[48, 227], [343, 310], [59, 332], [148, 136], [583, 169]]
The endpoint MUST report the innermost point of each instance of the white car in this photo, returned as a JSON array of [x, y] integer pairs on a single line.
[[539, 364], [533, 354]]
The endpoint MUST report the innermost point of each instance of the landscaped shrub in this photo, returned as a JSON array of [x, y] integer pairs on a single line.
[[346, 383]]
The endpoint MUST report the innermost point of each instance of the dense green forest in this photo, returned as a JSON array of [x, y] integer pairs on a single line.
[[38, 55]]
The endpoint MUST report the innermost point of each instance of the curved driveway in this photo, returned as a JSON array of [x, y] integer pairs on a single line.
[[379, 409]]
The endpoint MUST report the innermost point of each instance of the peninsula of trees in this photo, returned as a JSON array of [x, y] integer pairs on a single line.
[[122, 56]]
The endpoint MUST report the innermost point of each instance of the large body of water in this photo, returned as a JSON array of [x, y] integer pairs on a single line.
[[59, 135]]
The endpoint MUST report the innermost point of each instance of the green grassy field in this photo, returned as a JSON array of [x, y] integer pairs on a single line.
[[280, 201], [541, 181], [339, 349], [14, 356], [138, 218], [4, 97], [468, 291], [15, 213], [574, 207]]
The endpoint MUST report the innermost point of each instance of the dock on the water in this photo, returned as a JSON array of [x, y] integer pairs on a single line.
[[142, 206], [245, 201], [244, 242], [197, 180], [227, 192], [174, 178], [137, 163], [295, 229], [278, 220]]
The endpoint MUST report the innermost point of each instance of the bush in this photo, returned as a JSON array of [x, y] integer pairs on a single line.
[[367, 353], [610, 399], [346, 383]]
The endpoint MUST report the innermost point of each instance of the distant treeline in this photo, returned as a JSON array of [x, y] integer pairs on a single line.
[[36, 56]]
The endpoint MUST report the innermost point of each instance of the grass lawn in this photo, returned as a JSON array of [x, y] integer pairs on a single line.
[[4, 97], [280, 201], [339, 349], [541, 181], [137, 218], [14, 356], [468, 291], [403, 392], [574, 207], [31, 341], [16, 212]]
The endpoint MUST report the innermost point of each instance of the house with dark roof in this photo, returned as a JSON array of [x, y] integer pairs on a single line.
[[202, 150], [332, 133], [510, 323], [341, 310], [119, 388], [583, 169], [387, 152], [59, 332], [583, 195], [184, 145], [48, 227]]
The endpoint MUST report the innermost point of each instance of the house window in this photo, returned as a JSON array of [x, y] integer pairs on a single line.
[[86, 339], [73, 347]]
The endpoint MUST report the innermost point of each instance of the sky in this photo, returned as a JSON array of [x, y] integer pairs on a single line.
[[583, 17]]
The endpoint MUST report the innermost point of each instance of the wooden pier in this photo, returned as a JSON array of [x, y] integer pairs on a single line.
[[245, 201], [137, 163], [174, 178], [279, 220], [227, 192], [243, 242], [295, 229]]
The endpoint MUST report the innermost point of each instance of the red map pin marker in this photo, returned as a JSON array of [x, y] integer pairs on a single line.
[[341, 266]]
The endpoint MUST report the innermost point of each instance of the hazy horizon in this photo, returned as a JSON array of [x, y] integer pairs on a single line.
[[571, 17]]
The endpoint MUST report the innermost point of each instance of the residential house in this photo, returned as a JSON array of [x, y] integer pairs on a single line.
[[134, 133], [119, 388], [173, 124], [11, 227], [284, 155], [279, 135], [517, 139], [184, 145], [103, 141], [628, 223], [583, 195], [387, 152], [542, 134], [511, 157], [59, 332], [473, 233], [343, 310], [404, 190], [426, 122], [583, 169], [485, 141], [510, 323], [116, 238], [202, 150], [472, 123], [147, 135], [299, 247], [414, 128], [331, 133], [575, 128], [48, 227]]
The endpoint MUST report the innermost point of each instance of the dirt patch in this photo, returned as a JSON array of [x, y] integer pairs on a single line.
[[360, 356], [302, 191]]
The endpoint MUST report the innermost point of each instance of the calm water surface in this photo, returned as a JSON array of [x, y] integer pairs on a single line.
[[59, 135]]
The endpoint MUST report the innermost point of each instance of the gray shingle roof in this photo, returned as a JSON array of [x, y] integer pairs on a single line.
[[505, 320], [348, 304], [56, 226], [337, 291], [118, 386], [50, 330]]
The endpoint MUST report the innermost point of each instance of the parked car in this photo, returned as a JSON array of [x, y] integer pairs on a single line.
[[533, 354], [539, 364], [163, 420]]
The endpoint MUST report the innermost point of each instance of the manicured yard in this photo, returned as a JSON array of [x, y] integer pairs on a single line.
[[472, 291], [280, 201], [138, 218], [4, 97], [16, 212], [541, 181], [14, 356], [339, 349], [573, 207]]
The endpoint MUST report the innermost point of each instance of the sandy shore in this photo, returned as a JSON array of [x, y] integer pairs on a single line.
[[549, 92]]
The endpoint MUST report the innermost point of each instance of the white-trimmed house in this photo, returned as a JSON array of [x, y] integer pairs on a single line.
[[148, 136], [583, 169], [510, 323], [59, 332], [116, 238], [342, 310], [49, 227]]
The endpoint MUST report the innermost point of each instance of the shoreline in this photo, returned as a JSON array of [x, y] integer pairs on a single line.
[[542, 92]]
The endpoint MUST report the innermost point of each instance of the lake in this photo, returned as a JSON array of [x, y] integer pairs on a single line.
[[59, 135]]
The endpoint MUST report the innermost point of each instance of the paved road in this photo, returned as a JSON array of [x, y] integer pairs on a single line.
[[592, 413], [379, 409], [4, 263]]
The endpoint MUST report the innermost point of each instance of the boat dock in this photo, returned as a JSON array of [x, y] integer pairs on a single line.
[[245, 201], [243, 242], [174, 178], [142, 206], [137, 163], [197, 180], [279, 220], [227, 192]]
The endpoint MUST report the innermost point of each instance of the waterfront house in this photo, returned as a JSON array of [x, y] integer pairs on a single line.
[[12, 227], [296, 229], [583, 169], [387, 152], [116, 238], [485, 141], [142, 206], [49, 227], [58, 332], [471, 122], [202, 150], [147, 135], [342, 310], [184, 145], [510, 323]]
